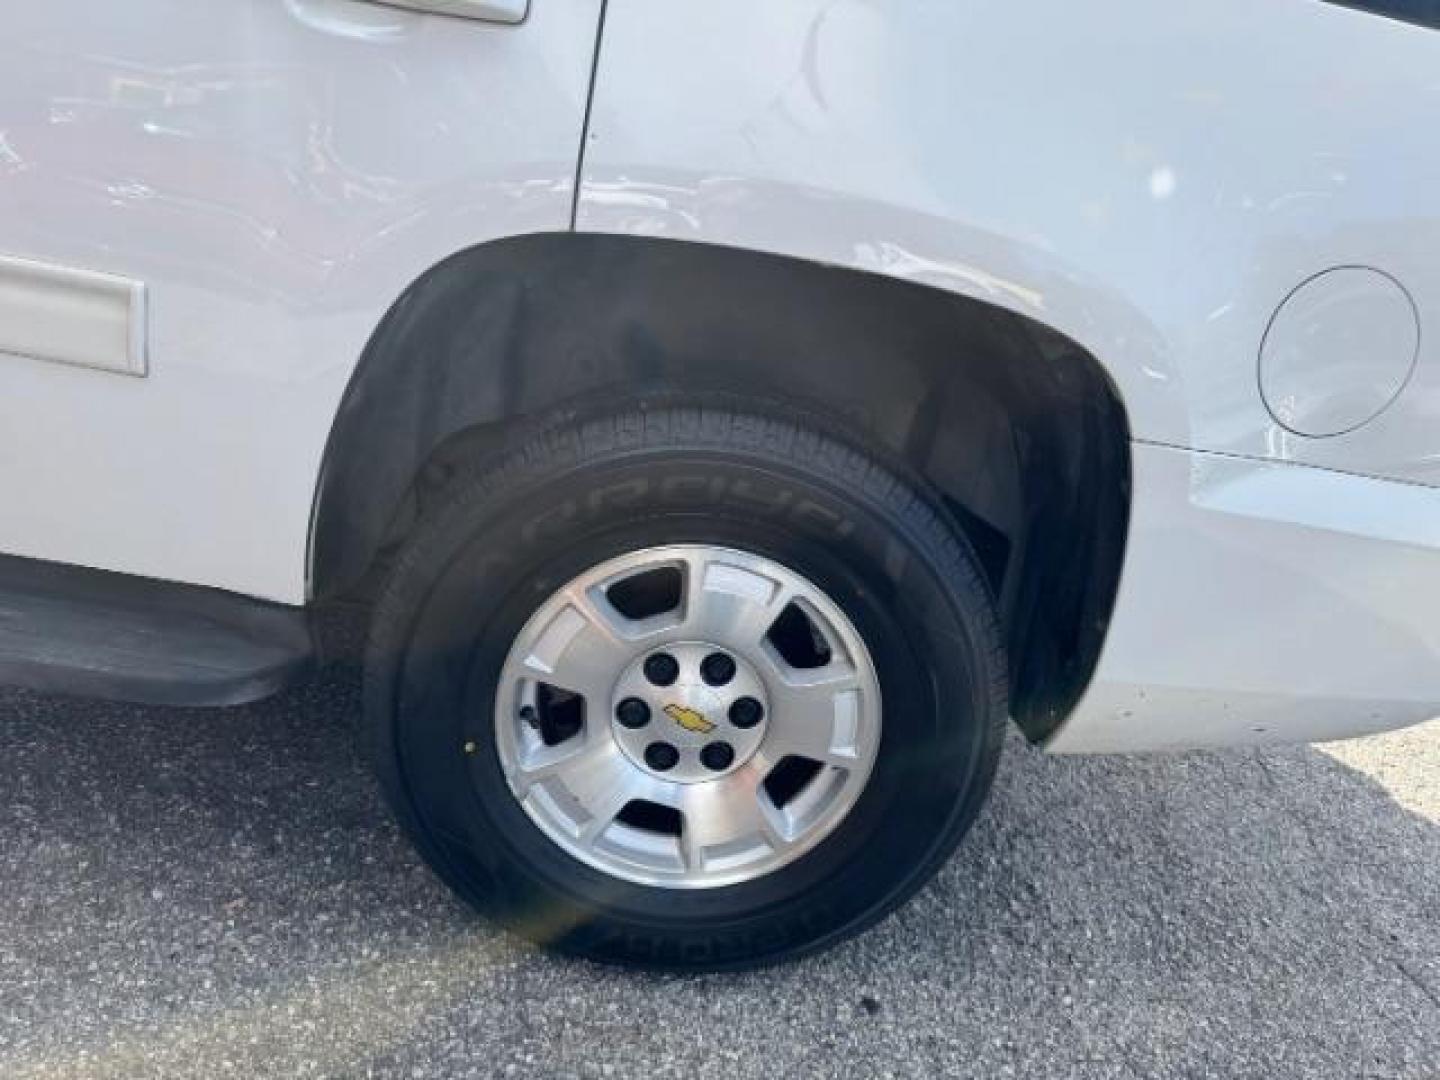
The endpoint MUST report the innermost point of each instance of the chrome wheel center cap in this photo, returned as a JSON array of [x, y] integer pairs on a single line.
[[714, 730]]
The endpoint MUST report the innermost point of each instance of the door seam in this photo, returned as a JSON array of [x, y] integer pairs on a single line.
[[585, 123]]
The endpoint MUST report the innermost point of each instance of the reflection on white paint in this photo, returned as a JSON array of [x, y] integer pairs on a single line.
[[1162, 183]]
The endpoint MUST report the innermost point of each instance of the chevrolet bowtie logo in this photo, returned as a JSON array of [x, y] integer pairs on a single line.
[[689, 719]]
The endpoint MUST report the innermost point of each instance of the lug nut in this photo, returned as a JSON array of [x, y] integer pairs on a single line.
[[718, 756], [746, 712], [661, 756], [662, 669], [717, 669], [632, 713]]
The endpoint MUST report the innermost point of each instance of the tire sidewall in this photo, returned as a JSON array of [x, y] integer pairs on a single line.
[[485, 567]]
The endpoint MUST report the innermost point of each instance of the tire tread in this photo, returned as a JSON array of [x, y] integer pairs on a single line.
[[573, 439]]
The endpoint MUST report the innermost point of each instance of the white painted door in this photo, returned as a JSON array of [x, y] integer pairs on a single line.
[[258, 180]]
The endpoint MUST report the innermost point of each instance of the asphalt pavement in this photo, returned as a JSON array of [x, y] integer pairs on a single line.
[[212, 894]]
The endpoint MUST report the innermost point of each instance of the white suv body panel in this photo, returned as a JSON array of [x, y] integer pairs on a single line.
[[276, 174], [1152, 180], [1265, 602]]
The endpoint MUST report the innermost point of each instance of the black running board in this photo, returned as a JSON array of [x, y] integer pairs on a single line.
[[69, 630]]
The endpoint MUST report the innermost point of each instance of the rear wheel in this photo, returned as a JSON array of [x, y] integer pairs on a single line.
[[685, 687]]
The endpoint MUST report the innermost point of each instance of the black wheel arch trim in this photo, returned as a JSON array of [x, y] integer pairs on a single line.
[[1018, 428]]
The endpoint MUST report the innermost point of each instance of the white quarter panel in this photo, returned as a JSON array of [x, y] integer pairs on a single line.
[[275, 174], [1265, 602], [1152, 179]]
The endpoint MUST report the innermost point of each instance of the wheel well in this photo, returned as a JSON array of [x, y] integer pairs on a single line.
[[1017, 428]]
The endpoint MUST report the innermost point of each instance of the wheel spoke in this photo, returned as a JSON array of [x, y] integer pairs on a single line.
[[604, 806], [582, 755], [581, 648], [729, 819], [730, 604], [815, 714], [589, 782]]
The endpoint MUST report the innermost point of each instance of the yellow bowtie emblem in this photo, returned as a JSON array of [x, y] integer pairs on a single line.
[[689, 719]]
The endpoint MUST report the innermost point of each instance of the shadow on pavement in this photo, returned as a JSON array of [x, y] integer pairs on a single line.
[[204, 894]]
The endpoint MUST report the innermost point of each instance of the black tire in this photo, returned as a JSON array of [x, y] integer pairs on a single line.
[[500, 541]]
